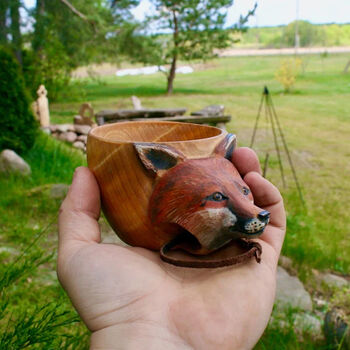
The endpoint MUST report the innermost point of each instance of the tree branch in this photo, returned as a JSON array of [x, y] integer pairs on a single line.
[[74, 10], [78, 13]]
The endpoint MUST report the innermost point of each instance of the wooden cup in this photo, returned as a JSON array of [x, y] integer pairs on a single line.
[[126, 185]]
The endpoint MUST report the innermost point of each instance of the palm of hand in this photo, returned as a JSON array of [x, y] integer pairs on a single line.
[[114, 286]]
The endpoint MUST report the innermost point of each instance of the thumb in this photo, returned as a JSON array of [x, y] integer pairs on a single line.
[[79, 212]]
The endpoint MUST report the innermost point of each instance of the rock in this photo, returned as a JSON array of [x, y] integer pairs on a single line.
[[82, 138], [311, 324], [71, 136], [334, 281], [64, 127], [79, 144], [82, 129], [291, 292], [62, 136], [53, 128], [287, 264], [59, 191], [320, 303], [336, 329], [11, 162], [68, 136]]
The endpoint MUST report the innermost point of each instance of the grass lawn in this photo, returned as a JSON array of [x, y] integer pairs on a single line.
[[34, 310]]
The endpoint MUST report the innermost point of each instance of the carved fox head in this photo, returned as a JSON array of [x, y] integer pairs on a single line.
[[206, 197]]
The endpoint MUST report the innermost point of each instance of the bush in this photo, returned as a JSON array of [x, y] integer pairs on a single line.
[[287, 72], [17, 124]]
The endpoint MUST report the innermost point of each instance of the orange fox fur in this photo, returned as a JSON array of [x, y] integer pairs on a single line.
[[206, 197]]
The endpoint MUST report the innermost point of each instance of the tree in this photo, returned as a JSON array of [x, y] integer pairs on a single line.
[[17, 124], [3, 16], [197, 29], [16, 29], [39, 32], [309, 34], [72, 33]]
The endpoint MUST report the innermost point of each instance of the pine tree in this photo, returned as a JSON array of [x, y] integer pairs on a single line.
[[17, 124]]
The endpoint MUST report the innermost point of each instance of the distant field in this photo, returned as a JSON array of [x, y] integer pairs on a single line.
[[316, 120]]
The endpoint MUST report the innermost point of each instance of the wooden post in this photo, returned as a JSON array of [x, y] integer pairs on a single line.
[[136, 103]]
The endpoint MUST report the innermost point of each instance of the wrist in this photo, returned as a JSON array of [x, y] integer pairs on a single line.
[[136, 336]]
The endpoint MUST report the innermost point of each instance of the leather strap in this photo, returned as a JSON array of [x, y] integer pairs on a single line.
[[251, 249]]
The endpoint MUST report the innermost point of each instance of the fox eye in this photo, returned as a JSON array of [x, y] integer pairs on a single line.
[[217, 197], [245, 191]]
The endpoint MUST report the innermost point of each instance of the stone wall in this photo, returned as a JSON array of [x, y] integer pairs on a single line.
[[72, 133]]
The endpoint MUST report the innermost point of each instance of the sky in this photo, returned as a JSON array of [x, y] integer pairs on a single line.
[[273, 12]]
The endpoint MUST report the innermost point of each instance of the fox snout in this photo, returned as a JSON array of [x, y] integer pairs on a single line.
[[252, 226]]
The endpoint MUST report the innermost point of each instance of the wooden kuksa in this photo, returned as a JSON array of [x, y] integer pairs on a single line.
[[162, 181]]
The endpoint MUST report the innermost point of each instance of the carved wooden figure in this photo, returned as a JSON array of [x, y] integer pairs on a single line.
[[42, 107], [169, 186], [82, 118]]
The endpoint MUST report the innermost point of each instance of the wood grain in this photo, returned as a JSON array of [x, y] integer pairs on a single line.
[[126, 186]]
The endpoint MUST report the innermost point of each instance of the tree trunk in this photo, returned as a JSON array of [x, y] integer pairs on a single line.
[[39, 32], [171, 75], [15, 29], [172, 72], [346, 69], [3, 29]]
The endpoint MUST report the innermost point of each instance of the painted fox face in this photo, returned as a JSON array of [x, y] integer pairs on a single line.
[[206, 197]]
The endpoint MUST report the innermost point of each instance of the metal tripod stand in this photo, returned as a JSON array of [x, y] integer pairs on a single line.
[[272, 119]]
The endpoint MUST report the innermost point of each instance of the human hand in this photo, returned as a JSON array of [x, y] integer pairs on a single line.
[[130, 299]]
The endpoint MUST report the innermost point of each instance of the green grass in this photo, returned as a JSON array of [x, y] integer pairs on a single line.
[[35, 313], [316, 121], [281, 333]]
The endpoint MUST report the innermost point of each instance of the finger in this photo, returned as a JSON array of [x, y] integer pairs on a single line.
[[268, 197], [246, 160], [80, 210]]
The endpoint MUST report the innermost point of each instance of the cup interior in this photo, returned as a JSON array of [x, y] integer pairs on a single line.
[[154, 131]]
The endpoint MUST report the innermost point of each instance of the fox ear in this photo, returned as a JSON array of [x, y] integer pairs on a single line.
[[157, 158], [226, 147]]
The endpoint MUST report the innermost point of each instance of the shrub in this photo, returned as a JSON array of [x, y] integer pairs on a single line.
[[17, 124], [287, 72]]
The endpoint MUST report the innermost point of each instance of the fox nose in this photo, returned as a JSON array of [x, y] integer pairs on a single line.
[[264, 215]]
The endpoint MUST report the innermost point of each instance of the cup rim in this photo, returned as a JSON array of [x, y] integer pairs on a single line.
[[92, 132]]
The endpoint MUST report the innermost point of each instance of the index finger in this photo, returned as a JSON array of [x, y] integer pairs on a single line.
[[245, 160]]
